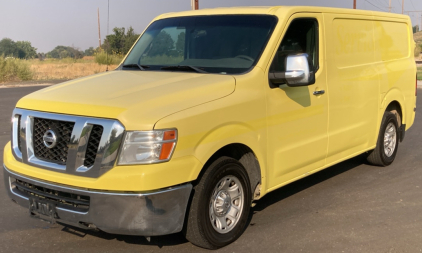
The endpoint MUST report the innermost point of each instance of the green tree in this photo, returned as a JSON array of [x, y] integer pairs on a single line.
[[26, 50], [89, 52], [114, 43], [8, 48], [120, 41], [77, 54], [416, 29], [64, 51], [63, 54], [161, 45], [19, 49]]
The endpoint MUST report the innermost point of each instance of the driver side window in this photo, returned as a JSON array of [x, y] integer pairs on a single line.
[[301, 37]]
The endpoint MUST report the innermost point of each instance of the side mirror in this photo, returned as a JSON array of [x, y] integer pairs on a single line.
[[297, 72]]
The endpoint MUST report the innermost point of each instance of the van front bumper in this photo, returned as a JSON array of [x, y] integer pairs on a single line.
[[148, 214]]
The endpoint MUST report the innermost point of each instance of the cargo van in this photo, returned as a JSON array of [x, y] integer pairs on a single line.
[[210, 111]]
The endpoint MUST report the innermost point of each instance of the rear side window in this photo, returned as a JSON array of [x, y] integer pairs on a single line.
[[301, 37]]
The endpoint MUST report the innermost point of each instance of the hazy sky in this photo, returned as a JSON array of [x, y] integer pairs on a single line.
[[48, 23]]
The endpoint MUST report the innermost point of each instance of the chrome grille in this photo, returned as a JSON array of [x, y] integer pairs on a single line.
[[93, 143], [58, 153], [82, 144], [19, 136]]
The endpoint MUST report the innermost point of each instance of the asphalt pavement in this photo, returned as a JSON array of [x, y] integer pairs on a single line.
[[349, 207]]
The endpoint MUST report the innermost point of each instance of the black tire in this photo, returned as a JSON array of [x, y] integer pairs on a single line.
[[199, 229], [378, 156]]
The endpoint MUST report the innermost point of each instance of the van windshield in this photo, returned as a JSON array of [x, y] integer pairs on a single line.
[[223, 44]]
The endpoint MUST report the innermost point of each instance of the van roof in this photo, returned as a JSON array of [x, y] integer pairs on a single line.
[[278, 10]]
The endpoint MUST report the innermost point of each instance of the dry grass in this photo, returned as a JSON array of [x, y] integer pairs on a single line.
[[66, 68], [89, 58]]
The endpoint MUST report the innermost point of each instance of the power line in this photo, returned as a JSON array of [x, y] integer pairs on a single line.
[[374, 5], [412, 4], [381, 3]]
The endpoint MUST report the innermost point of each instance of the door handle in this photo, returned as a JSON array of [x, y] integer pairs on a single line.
[[319, 92]]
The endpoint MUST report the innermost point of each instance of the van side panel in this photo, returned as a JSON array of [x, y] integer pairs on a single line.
[[353, 85], [396, 66], [391, 40]]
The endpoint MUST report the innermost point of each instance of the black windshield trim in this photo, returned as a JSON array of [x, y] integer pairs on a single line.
[[184, 67], [140, 67]]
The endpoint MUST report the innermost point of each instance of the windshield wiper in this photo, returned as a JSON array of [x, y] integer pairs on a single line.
[[132, 65], [184, 67]]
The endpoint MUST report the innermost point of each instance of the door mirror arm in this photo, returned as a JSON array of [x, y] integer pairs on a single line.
[[277, 78]]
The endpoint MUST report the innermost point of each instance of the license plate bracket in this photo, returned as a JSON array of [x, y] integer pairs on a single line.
[[43, 209]]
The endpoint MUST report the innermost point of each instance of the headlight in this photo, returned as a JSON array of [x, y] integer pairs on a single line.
[[143, 147]]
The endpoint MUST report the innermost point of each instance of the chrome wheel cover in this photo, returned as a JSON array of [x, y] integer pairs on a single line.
[[226, 204], [390, 139]]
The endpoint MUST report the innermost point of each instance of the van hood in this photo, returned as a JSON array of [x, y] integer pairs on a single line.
[[138, 99]]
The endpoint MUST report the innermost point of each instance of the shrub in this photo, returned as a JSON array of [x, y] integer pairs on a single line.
[[103, 58], [12, 69], [418, 50]]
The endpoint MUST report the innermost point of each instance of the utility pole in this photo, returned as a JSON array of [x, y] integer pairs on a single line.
[[99, 34], [354, 4], [389, 6], [194, 4], [420, 26], [402, 6]]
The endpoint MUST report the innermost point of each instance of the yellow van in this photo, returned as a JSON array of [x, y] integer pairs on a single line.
[[210, 111]]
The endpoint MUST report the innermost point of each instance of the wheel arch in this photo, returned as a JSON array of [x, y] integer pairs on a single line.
[[394, 100], [395, 107], [247, 157]]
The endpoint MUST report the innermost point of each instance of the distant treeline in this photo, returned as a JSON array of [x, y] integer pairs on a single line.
[[117, 43], [18, 49]]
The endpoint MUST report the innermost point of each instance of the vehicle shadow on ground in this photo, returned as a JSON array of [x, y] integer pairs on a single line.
[[309, 181], [269, 199], [160, 241]]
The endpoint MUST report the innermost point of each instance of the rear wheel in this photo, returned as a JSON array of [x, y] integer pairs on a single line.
[[388, 141], [220, 205]]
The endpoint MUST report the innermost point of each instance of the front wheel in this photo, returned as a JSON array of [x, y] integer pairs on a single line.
[[388, 141], [220, 205]]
